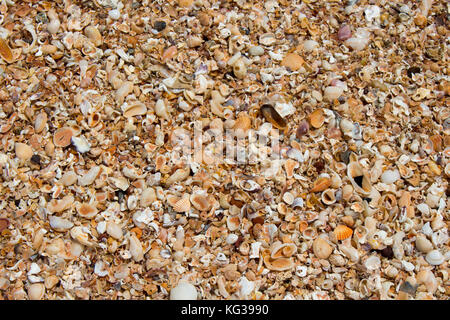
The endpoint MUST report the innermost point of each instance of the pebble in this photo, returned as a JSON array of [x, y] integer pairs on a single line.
[[183, 291]]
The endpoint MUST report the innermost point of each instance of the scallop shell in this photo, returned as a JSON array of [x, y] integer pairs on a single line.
[[329, 196], [343, 232], [87, 210], [183, 204], [359, 178], [321, 184], [272, 116]]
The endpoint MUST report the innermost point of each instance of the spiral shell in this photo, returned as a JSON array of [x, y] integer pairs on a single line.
[[343, 232]]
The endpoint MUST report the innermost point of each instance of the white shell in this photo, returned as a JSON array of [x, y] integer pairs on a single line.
[[435, 258], [183, 291], [372, 263], [114, 230], [390, 176], [60, 224], [36, 291], [81, 144]]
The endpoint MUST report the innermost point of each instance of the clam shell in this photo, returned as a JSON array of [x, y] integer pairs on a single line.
[[183, 204], [134, 109], [5, 51], [36, 291], [233, 223], [423, 244], [62, 137], [359, 178], [321, 248], [272, 116], [280, 264], [343, 232]]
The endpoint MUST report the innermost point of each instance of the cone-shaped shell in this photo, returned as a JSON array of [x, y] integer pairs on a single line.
[[359, 178], [343, 232]]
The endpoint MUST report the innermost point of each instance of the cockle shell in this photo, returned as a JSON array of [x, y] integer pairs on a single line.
[[183, 204], [359, 178], [343, 232]]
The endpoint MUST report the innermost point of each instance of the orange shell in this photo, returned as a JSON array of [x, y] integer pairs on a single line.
[[317, 118], [343, 232], [63, 137], [182, 205], [321, 184]]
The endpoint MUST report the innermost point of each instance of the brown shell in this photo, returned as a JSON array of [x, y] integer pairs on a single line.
[[87, 210], [63, 137], [317, 118], [5, 51], [4, 223], [343, 232], [272, 116]]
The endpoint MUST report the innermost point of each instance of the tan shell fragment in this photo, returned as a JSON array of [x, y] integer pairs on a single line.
[[136, 250], [114, 230], [283, 250], [134, 109], [55, 206], [148, 196], [94, 35], [280, 264], [321, 184], [40, 122], [317, 118], [201, 201], [36, 291], [178, 176], [321, 248], [427, 278], [359, 178], [87, 210], [23, 151], [89, 177], [292, 61], [77, 233], [5, 51], [62, 137]]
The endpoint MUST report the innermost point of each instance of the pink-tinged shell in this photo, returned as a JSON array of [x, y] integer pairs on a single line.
[[344, 33], [182, 205], [343, 232], [201, 201], [87, 210]]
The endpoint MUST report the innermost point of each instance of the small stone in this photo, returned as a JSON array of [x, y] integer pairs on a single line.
[[292, 61], [183, 291], [23, 151], [159, 26], [36, 159]]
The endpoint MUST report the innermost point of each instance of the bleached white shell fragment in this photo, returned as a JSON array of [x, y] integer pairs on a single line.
[[390, 176], [183, 291], [81, 144]]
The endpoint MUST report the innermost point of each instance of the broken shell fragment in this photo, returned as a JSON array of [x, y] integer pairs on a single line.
[[435, 258], [23, 151], [184, 291], [78, 233], [321, 184], [5, 51], [62, 137], [321, 248], [272, 116], [36, 291], [317, 118], [359, 178], [87, 210]]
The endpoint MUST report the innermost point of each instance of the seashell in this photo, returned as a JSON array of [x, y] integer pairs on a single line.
[[344, 33], [249, 185], [36, 291], [317, 118], [427, 278], [123, 91], [298, 202], [201, 201], [62, 137], [178, 176], [328, 196], [51, 281], [332, 93], [240, 69], [87, 210], [59, 224], [372, 263], [321, 248], [288, 198], [5, 51], [272, 116], [81, 144], [290, 165], [55, 206], [120, 183], [337, 260], [280, 264], [77, 233], [282, 250], [233, 223], [114, 230], [343, 232], [40, 122], [134, 109], [89, 177], [4, 223], [390, 176], [184, 291], [292, 61], [361, 234], [321, 184], [148, 196], [349, 252], [23, 151], [136, 250], [309, 233], [183, 204], [94, 35], [359, 178], [435, 258], [347, 192], [423, 244]]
